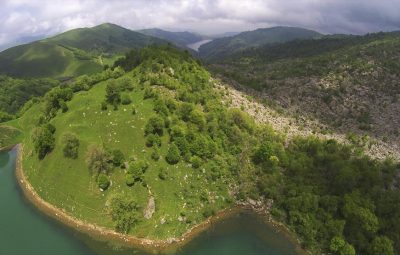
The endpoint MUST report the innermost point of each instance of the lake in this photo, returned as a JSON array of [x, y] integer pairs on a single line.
[[195, 46], [26, 231]]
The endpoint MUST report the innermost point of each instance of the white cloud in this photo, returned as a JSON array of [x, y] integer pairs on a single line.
[[26, 17]]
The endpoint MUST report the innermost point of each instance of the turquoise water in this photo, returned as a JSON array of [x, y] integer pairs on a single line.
[[26, 231]]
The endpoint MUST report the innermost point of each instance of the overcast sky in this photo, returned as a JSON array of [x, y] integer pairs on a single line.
[[20, 18]]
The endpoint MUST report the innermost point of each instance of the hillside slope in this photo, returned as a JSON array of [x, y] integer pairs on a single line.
[[76, 52], [222, 47], [349, 84]]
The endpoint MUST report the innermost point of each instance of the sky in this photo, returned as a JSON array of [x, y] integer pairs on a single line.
[[32, 18]]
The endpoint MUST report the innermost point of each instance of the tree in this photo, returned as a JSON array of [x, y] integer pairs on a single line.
[[173, 155], [340, 247], [43, 141], [113, 95], [98, 159], [71, 145], [124, 212], [381, 245], [153, 140], [155, 125]]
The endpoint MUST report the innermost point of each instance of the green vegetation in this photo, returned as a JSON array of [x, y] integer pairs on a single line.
[[183, 148], [14, 93], [73, 53]]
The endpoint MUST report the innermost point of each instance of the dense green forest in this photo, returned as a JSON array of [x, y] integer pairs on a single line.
[[335, 199], [14, 93]]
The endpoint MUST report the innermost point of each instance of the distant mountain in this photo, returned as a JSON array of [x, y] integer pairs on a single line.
[[226, 34], [78, 51], [179, 38], [222, 47]]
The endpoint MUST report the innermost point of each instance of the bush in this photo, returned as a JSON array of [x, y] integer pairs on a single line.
[[118, 157], [153, 140], [64, 106], [173, 155], [104, 106], [129, 180], [103, 182], [155, 155], [196, 161], [71, 145], [163, 174], [134, 111], [126, 99]]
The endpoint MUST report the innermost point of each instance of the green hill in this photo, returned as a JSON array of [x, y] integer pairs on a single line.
[[73, 53], [154, 151], [181, 39], [222, 47]]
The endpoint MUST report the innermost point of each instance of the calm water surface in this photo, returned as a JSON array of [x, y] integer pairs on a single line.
[[26, 231]]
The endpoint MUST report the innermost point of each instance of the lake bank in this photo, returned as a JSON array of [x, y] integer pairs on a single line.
[[148, 245]]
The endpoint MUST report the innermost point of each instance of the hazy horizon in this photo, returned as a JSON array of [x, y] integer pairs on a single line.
[[24, 18]]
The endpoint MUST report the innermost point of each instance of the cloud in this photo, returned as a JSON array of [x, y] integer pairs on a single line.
[[21, 18]]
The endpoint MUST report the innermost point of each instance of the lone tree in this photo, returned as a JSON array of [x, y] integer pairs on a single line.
[[98, 160], [71, 145], [173, 155], [43, 141], [113, 93]]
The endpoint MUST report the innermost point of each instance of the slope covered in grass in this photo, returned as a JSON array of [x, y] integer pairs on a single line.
[[153, 151], [73, 53]]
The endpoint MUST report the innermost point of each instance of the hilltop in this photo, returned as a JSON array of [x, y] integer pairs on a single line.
[[73, 53], [223, 47]]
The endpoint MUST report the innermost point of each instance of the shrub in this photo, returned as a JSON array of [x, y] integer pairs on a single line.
[[155, 155], [153, 140], [103, 182], [129, 180], [163, 174], [134, 111], [104, 106], [196, 161], [118, 157], [173, 155], [126, 99], [64, 106], [71, 145]]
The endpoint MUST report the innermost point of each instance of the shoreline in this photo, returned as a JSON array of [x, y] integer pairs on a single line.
[[149, 245]]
